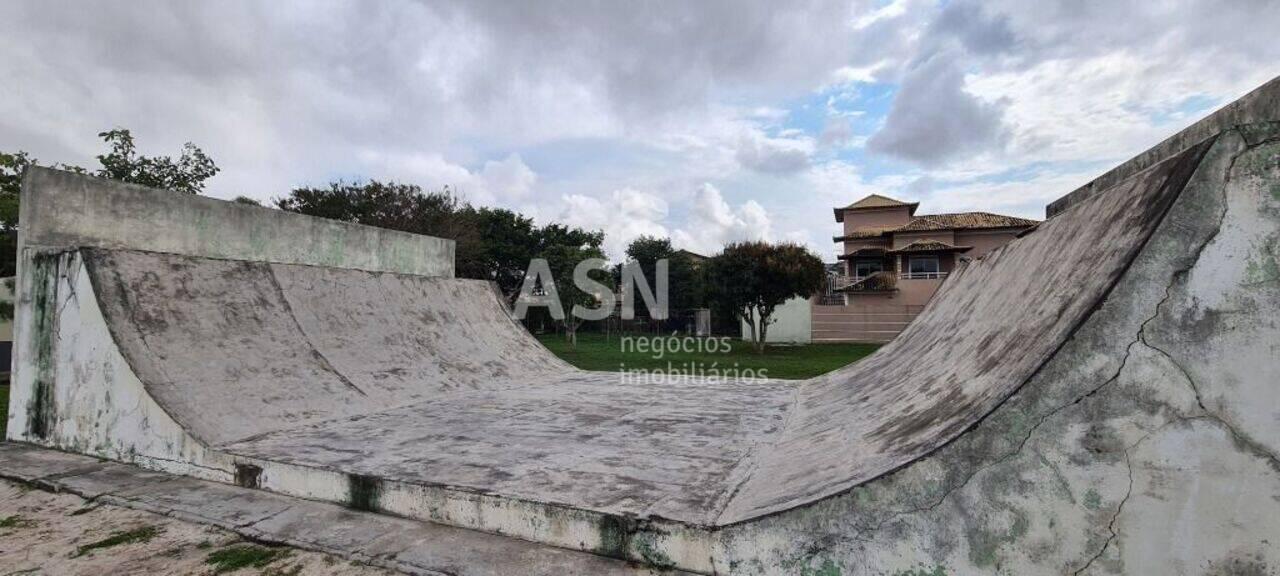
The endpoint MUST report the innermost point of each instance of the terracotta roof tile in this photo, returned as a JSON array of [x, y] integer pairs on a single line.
[[876, 201], [930, 246], [963, 221], [863, 233], [864, 253]]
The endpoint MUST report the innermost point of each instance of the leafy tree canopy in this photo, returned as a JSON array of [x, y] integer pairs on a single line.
[[188, 174], [491, 243], [685, 283], [751, 279]]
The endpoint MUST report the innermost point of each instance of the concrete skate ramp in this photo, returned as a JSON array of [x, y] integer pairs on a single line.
[[356, 376], [234, 349], [428, 381], [420, 380]]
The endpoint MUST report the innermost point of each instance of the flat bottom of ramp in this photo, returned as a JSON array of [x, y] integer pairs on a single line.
[[600, 442]]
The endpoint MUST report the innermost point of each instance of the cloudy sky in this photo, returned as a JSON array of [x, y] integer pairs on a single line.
[[705, 121]]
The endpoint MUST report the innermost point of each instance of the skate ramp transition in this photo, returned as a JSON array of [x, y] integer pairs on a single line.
[[339, 362]]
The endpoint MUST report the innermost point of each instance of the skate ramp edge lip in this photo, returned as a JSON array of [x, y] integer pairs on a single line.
[[65, 210], [1260, 105]]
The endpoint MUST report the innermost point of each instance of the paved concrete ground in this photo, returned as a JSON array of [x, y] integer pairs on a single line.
[[195, 517], [66, 535]]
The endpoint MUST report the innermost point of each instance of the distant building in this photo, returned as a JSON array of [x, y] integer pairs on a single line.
[[893, 260], [695, 258]]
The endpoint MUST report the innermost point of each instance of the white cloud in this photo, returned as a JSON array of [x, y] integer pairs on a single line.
[[781, 155], [282, 96], [505, 182], [624, 216], [934, 119], [886, 12], [712, 223]]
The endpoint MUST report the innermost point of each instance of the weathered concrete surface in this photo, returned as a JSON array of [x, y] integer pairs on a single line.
[[1085, 399], [1146, 445], [61, 210], [44, 532], [963, 355], [236, 349], [401, 545]]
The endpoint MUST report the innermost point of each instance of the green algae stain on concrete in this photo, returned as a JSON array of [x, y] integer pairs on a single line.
[[44, 276], [363, 492], [1263, 265], [984, 545], [614, 538], [1092, 500], [646, 546], [936, 570], [1019, 426], [828, 567]]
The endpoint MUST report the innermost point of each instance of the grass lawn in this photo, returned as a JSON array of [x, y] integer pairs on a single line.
[[595, 352]]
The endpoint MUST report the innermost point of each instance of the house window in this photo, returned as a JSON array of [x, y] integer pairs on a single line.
[[864, 268], [923, 266]]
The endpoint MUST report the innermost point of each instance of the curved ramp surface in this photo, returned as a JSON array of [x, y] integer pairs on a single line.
[[415, 394]]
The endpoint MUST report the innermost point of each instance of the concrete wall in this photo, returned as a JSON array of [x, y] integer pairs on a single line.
[[72, 388], [792, 323], [864, 218], [866, 318], [63, 210], [983, 241], [901, 239]]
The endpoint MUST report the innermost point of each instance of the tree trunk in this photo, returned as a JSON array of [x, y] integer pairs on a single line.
[[571, 334], [764, 333]]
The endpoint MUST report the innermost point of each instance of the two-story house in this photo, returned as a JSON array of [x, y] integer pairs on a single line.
[[894, 260]]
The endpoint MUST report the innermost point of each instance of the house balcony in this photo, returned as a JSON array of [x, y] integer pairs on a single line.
[[875, 282]]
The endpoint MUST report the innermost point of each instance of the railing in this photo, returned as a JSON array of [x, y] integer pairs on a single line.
[[922, 275], [877, 282]]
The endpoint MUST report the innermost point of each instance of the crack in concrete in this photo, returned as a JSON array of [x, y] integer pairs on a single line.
[[1006, 457], [1257, 448], [1139, 337], [221, 473], [1111, 525], [251, 523], [64, 278], [1180, 276]]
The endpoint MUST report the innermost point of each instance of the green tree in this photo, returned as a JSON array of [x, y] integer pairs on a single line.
[[491, 243], [186, 174], [751, 279], [395, 206], [563, 259], [684, 281], [508, 242], [687, 283]]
